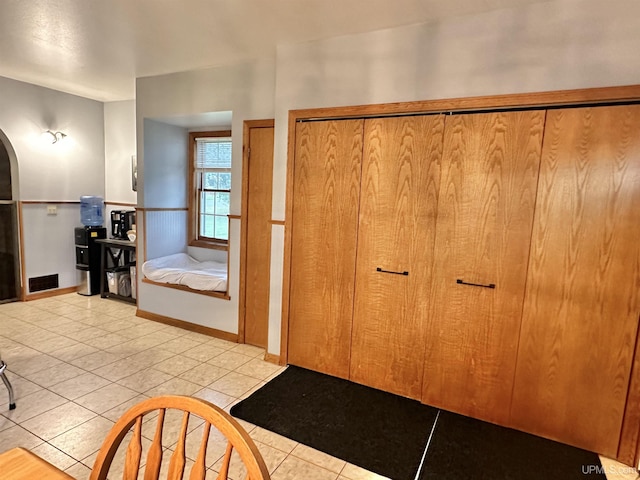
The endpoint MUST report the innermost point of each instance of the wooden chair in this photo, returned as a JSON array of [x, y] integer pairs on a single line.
[[237, 438]]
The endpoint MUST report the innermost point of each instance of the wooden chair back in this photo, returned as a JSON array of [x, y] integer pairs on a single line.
[[236, 436]]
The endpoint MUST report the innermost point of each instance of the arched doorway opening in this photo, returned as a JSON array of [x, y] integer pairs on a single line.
[[9, 240]]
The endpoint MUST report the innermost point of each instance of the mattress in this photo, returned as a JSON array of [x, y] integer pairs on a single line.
[[182, 269]]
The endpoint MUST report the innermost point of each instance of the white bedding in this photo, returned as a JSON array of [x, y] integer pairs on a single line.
[[182, 269]]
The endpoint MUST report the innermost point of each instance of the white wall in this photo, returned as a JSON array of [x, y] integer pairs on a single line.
[[119, 146], [60, 172], [165, 167], [542, 47], [247, 90]]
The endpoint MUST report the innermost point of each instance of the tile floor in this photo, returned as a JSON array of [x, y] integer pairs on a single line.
[[77, 363]]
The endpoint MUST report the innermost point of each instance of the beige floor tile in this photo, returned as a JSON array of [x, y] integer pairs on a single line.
[[273, 439], [203, 352], [116, 325], [258, 369], [151, 356], [5, 422], [54, 456], [83, 440], [175, 386], [198, 337], [138, 343], [87, 333], [318, 458], [120, 369], [234, 384], [56, 374], [353, 472], [145, 380], [74, 351], [33, 364], [181, 344], [106, 398], [176, 365], [69, 327], [79, 471], [107, 341], [35, 336], [293, 468], [229, 360], [79, 386], [18, 437], [220, 399], [204, 374], [58, 420], [116, 412], [249, 350], [95, 360], [51, 345], [220, 343], [34, 404]]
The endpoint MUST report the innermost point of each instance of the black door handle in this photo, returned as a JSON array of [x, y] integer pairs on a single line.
[[462, 282], [391, 271]]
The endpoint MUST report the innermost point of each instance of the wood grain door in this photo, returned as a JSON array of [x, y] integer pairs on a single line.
[[398, 204], [258, 234], [485, 215], [583, 290], [326, 196]]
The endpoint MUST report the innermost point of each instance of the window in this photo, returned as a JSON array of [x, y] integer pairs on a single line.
[[210, 154]]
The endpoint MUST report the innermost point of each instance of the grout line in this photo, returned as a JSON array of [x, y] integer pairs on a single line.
[[426, 448]]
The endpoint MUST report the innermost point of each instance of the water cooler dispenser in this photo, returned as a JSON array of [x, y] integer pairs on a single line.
[[87, 250]]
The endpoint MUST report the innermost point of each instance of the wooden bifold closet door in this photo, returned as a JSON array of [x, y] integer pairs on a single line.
[[485, 213], [326, 199], [396, 232], [582, 304]]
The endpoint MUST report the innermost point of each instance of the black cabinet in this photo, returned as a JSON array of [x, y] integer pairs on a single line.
[[116, 262]]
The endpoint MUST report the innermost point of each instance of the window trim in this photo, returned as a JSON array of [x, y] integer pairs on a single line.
[[194, 241]]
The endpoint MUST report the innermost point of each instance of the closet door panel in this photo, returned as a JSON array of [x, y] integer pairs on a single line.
[[399, 198], [582, 304], [485, 215], [327, 176]]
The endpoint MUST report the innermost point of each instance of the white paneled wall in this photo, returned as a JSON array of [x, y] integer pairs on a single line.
[[166, 232]]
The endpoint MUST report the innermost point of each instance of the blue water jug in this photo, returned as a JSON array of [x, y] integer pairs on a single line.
[[91, 211]]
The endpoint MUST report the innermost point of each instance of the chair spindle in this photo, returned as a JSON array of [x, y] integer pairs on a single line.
[[199, 469], [226, 460], [178, 459], [134, 452], [154, 456]]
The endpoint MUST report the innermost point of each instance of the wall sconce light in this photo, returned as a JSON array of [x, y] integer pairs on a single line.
[[55, 137]]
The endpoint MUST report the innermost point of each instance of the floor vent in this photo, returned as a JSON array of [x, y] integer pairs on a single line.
[[47, 282]]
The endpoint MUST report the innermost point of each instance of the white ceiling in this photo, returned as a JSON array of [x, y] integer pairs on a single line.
[[96, 48]]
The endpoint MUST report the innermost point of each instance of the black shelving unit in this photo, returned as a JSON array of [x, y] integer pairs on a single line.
[[116, 256]]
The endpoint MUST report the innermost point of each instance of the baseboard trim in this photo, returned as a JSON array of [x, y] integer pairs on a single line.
[[272, 358], [174, 322], [49, 293]]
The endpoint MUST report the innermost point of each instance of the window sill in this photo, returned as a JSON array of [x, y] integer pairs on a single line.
[[211, 245], [222, 295]]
